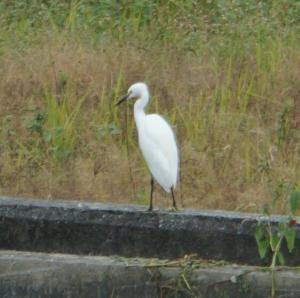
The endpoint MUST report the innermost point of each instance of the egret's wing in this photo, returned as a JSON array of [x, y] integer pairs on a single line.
[[162, 138]]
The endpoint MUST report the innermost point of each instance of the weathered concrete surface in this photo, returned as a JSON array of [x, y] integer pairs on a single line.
[[24, 274], [82, 228]]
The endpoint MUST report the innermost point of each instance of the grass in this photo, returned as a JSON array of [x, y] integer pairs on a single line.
[[224, 73]]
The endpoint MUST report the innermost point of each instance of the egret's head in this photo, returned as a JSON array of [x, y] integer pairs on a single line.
[[135, 91]]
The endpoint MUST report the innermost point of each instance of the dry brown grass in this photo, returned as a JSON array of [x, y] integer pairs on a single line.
[[225, 111]]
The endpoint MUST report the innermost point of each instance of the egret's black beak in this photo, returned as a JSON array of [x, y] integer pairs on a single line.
[[122, 100]]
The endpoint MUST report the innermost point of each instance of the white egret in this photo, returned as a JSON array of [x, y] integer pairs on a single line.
[[156, 140]]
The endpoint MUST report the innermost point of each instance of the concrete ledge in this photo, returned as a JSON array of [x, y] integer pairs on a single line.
[[98, 229], [24, 274]]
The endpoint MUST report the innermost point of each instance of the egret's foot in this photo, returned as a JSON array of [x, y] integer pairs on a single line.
[[150, 209]]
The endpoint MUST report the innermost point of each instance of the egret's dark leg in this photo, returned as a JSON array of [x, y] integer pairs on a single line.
[[173, 197], [151, 194]]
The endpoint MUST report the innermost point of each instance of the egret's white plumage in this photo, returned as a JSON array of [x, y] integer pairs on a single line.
[[156, 140]]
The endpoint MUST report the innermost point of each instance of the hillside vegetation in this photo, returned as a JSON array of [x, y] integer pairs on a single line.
[[226, 74]]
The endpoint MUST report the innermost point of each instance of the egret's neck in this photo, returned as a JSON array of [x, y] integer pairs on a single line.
[[139, 107]]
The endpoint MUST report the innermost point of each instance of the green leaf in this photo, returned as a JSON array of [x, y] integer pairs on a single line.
[[295, 201], [263, 246], [282, 227], [281, 258], [274, 240], [59, 131], [290, 236], [63, 78], [47, 137], [114, 130], [259, 232]]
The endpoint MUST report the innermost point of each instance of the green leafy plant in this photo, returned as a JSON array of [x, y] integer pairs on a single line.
[[36, 125], [269, 237], [110, 129], [56, 126]]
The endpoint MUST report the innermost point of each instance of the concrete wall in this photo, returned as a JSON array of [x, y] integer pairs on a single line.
[[59, 229], [24, 274], [98, 229]]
